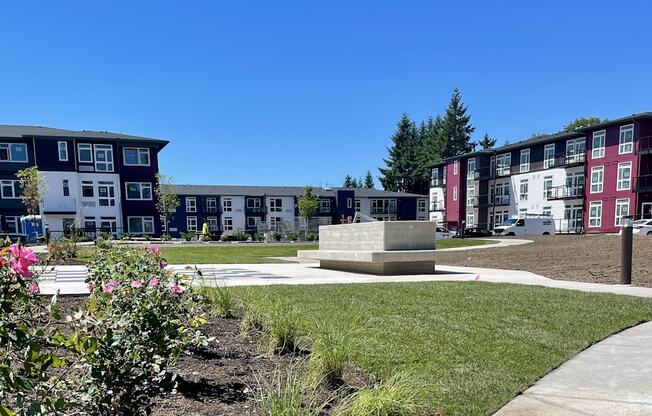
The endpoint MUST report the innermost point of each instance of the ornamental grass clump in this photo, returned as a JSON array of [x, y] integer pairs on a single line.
[[282, 328], [139, 318], [331, 351]]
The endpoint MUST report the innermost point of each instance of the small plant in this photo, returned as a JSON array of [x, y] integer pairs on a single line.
[[62, 250], [241, 236], [104, 241], [399, 395], [221, 299], [166, 237], [147, 237], [312, 236], [126, 237], [187, 236], [293, 236], [277, 236], [260, 237], [224, 238], [282, 329], [206, 237], [330, 353]]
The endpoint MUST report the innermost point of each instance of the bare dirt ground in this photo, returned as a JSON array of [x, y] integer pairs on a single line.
[[583, 258]]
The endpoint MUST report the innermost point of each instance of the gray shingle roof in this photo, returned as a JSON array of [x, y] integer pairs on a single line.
[[236, 190], [14, 131]]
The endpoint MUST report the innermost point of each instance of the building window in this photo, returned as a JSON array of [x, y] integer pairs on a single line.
[[87, 189], [212, 224], [276, 205], [547, 187], [104, 158], [191, 205], [422, 205], [622, 210], [470, 195], [624, 176], [140, 225], [470, 172], [455, 167], [135, 156], [10, 189], [227, 204], [575, 150], [503, 164], [11, 224], [324, 205], [597, 148], [525, 161], [523, 190], [595, 214], [211, 205], [455, 193], [626, 141], [106, 194], [597, 179], [228, 224], [470, 219], [85, 153], [139, 190], [13, 152], [66, 187], [502, 193], [107, 224], [349, 203], [253, 202], [89, 224], [191, 223], [547, 211], [357, 205], [63, 151], [549, 156], [253, 221]]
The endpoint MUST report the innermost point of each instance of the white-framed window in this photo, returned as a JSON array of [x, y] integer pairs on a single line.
[[626, 139], [252, 221], [63, 151], [11, 224], [357, 205], [622, 210], [324, 205], [575, 150], [105, 194], [13, 152], [597, 147], [525, 161], [597, 179], [139, 190], [211, 205], [227, 204], [191, 205], [502, 192], [87, 189], [253, 202], [135, 156], [456, 167], [549, 156], [213, 225], [85, 153], [547, 187], [349, 203], [103, 158], [546, 210], [470, 168], [10, 189], [454, 193], [624, 176], [523, 190], [276, 205], [191, 223], [470, 219], [228, 224], [65, 185], [503, 164], [140, 225], [422, 205], [470, 195], [595, 214]]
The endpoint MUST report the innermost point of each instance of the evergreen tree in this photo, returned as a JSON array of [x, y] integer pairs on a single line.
[[369, 180], [430, 147], [456, 127], [348, 182], [401, 165], [487, 142], [583, 122]]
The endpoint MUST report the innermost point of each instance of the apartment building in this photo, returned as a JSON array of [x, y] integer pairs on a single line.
[[549, 175], [229, 209], [93, 180]]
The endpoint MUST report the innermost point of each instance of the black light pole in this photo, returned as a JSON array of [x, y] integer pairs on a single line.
[[626, 252]]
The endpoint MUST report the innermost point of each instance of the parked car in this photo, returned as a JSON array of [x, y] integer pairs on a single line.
[[472, 232], [642, 227], [442, 233], [527, 225]]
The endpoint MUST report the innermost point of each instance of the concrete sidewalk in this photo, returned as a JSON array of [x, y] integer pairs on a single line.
[[612, 377]]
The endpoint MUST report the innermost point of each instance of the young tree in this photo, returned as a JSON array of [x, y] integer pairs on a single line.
[[487, 142], [166, 200], [32, 187], [583, 122], [348, 182], [401, 163], [369, 180], [456, 127], [307, 204]]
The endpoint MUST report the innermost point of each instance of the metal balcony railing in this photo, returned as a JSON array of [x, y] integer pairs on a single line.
[[644, 145], [643, 183], [564, 192], [502, 171], [437, 206], [481, 201], [383, 210], [436, 182], [501, 200]]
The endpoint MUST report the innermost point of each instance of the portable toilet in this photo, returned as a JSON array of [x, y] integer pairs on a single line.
[[32, 227]]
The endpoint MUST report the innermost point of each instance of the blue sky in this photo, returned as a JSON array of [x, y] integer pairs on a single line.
[[304, 92]]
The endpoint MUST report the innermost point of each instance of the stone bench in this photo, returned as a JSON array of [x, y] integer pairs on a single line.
[[382, 247]]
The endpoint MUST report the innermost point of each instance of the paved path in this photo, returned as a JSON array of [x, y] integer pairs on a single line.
[[613, 377]]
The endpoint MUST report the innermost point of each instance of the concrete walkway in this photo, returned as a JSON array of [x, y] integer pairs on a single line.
[[612, 377], [495, 243]]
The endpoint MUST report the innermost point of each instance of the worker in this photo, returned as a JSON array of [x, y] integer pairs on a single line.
[[204, 229]]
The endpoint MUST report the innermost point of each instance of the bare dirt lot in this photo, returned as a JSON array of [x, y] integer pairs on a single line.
[[584, 258]]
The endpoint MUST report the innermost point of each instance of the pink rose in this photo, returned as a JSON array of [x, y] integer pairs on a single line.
[[136, 284], [35, 288], [21, 267], [90, 286], [114, 283], [154, 282], [107, 288], [155, 249], [177, 289], [23, 253]]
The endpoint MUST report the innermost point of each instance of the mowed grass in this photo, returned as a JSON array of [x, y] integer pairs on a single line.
[[473, 345], [232, 253], [458, 242]]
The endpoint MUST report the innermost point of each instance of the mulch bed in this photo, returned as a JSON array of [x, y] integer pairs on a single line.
[[582, 258]]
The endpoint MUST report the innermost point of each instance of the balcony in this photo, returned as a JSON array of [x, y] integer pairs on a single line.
[[502, 171], [437, 206], [59, 206], [564, 192], [325, 210], [643, 183], [500, 200], [383, 210], [254, 210], [480, 174], [481, 201], [210, 209], [437, 182], [564, 160], [644, 146]]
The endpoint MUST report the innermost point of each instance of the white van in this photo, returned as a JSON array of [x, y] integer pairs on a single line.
[[527, 224], [442, 233]]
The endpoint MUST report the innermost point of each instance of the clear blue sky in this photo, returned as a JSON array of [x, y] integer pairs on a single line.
[[304, 92]]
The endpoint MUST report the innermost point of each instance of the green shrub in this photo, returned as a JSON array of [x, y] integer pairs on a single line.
[[312, 236], [241, 236], [104, 241], [224, 237], [287, 395], [331, 351], [221, 299], [293, 236], [277, 236], [260, 237], [206, 237], [397, 396], [126, 237], [187, 236], [282, 328], [147, 237], [62, 250], [166, 237]]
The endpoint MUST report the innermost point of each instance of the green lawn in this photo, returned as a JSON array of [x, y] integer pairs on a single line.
[[232, 253], [458, 242], [474, 345]]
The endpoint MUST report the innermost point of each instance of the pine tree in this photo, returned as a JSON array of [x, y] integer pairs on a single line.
[[429, 150], [354, 183], [487, 142], [401, 163], [456, 127], [348, 182], [369, 180]]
